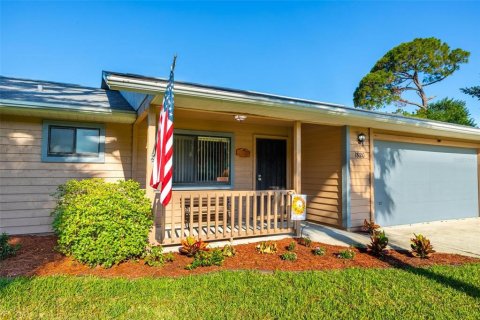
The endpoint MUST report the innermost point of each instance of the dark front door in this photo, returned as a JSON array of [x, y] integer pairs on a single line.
[[271, 164]]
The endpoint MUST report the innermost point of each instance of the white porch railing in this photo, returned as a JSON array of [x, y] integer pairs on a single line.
[[224, 214]]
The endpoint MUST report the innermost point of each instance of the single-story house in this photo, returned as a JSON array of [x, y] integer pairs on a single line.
[[237, 156]]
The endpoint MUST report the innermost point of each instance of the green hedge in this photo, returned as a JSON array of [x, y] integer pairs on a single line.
[[101, 223]]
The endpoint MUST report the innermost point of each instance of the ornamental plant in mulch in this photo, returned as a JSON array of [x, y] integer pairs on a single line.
[[289, 256], [6, 249], [102, 223], [421, 246], [305, 241], [191, 246], [370, 226], [228, 251], [319, 251], [347, 254], [378, 243], [154, 256], [291, 246], [214, 257], [203, 256], [266, 247]]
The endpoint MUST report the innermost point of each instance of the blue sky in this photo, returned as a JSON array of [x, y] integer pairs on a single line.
[[313, 50]]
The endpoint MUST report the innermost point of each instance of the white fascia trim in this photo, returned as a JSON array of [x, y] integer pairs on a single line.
[[117, 82], [113, 115]]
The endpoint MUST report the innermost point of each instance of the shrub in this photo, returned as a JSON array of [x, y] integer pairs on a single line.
[[206, 258], [421, 246], [154, 256], [267, 247], [370, 227], [318, 251], [101, 223], [6, 249], [289, 256], [228, 251], [347, 254], [305, 241], [378, 243], [190, 246], [291, 246]]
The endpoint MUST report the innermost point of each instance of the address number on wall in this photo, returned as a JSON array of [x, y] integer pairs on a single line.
[[359, 155]]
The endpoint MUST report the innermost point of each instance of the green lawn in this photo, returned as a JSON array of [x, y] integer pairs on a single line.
[[434, 293]]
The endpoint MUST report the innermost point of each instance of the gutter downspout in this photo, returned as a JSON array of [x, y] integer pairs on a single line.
[[346, 209]]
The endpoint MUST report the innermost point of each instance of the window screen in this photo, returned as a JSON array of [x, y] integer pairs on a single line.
[[87, 141], [201, 160], [61, 140], [68, 141]]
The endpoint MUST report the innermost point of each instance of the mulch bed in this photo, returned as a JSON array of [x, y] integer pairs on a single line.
[[37, 256]]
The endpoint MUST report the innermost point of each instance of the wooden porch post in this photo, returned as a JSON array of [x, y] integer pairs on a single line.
[[151, 126], [297, 165]]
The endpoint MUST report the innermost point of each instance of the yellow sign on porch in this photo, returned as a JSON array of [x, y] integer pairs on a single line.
[[299, 207]]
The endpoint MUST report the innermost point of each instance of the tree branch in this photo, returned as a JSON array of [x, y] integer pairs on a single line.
[[435, 81], [406, 75], [411, 103], [420, 91], [403, 78]]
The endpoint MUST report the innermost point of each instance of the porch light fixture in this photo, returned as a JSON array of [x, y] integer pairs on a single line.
[[240, 117], [361, 138]]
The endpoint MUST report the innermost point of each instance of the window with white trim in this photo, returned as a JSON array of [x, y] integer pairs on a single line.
[[73, 142], [202, 160]]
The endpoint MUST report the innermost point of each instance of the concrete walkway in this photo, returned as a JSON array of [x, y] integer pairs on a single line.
[[453, 236], [333, 236]]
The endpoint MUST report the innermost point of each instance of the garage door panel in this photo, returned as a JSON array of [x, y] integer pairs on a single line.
[[420, 183]]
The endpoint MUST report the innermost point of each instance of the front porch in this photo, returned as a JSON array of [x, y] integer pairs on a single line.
[[226, 186]]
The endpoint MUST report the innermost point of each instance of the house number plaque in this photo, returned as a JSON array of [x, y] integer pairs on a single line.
[[359, 155]]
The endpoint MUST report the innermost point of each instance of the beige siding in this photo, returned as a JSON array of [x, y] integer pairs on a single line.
[[141, 158], [360, 189], [322, 173], [26, 183]]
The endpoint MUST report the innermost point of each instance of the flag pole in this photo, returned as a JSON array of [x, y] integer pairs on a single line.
[[174, 62], [172, 69]]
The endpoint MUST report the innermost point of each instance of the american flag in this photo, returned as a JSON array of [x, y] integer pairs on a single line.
[[162, 171]]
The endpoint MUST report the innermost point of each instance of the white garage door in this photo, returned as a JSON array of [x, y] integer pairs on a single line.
[[420, 183]]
